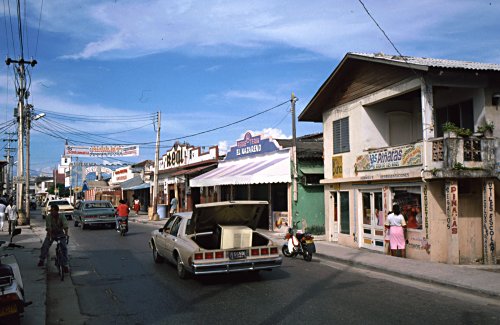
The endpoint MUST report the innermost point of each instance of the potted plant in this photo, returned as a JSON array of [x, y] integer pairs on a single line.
[[450, 130], [463, 132], [487, 129]]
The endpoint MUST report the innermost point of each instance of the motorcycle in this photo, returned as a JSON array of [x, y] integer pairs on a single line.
[[298, 243], [122, 226], [12, 299]]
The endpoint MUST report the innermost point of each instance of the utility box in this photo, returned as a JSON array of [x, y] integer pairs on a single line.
[[235, 237]]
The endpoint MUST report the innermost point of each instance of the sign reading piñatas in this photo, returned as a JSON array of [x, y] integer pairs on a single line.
[[402, 156]]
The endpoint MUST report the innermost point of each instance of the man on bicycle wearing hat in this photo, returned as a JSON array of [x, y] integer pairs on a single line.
[[56, 226]]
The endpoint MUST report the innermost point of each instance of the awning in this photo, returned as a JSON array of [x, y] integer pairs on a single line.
[[192, 170], [137, 187], [312, 170], [272, 168]]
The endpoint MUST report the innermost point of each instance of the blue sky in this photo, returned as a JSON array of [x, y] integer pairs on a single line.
[[206, 64]]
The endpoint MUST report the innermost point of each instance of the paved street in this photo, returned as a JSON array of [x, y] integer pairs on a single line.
[[114, 280]]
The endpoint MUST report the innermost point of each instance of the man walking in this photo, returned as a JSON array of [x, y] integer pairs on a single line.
[[11, 212]]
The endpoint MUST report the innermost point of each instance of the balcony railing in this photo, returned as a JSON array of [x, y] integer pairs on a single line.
[[462, 157]]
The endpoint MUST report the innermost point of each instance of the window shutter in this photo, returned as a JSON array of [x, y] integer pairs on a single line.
[[341, 135]]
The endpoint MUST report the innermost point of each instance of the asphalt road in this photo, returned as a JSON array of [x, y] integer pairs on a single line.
[[115, 281]]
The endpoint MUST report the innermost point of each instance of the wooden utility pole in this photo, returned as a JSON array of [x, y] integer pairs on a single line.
[[157, 161], [293, 100]]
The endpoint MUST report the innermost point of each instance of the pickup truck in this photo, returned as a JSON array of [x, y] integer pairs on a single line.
[[65, 208], [216, 237]]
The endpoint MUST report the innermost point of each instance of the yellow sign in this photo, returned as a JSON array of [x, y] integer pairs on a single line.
[[337, 167], [78, 188]]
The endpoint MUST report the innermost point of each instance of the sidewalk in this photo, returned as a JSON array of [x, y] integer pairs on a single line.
[[477, 279], [34, 278]]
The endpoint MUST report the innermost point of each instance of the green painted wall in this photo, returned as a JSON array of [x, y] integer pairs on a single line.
[[310, 205]]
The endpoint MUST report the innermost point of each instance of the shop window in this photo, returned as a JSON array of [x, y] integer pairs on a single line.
[[410, 201], [345, 227], [341, 135]]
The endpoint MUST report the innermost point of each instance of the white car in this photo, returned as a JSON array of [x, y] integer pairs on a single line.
[[65, 208], [216, 238]]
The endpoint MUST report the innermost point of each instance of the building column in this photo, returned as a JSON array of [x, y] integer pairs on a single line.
[[451, 190], [489, 244]]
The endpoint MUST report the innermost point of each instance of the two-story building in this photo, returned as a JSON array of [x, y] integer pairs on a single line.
[[383, 133]]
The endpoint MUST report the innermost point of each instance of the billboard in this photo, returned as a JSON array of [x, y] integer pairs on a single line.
[[102, 151]]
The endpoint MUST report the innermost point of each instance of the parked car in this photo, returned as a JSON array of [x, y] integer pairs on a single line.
[[65, 208], [94, 213], [216, 238]]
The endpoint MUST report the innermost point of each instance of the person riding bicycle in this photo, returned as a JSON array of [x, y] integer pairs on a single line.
[[56, 226], [122, 213]]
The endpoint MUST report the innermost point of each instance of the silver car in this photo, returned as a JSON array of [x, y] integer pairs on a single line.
[[216, 238], [94, 213]]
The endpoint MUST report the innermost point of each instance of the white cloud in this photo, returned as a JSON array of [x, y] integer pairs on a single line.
[[227, 27], [269, 133]]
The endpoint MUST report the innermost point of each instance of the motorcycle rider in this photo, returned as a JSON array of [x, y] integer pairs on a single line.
[[56, 225], [122, 213]]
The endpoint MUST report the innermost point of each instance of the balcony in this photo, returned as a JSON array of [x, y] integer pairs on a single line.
[[461, 158]]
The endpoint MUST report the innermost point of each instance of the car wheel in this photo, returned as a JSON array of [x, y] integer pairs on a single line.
[[83, 225], [156, 256], [76, 223], [181, 270]]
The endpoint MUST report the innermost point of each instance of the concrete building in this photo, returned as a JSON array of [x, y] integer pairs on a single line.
[[384, 143]]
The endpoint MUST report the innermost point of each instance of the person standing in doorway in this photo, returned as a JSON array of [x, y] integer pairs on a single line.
[[11, 212], [173, 205], [137, 205], [396, 225]]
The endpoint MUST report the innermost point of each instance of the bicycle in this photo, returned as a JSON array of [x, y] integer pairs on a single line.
[[59, 255]]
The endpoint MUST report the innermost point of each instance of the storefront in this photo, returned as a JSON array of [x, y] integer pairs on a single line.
[[177, 167], [254, 169]]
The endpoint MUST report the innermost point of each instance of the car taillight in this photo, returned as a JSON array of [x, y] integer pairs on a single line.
[[255, 252], [198, 256], [11, 297], [219, 254], [264, 251], [274, 250], [209, 255]]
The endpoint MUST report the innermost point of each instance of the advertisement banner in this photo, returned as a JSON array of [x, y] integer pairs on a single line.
[[102, 151]]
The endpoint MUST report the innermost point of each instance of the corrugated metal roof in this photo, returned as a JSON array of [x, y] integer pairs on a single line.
[[430, 62]]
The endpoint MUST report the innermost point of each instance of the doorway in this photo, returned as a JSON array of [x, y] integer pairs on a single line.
[[373, 220]]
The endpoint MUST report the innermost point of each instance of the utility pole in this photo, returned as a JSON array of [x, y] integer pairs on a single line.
[[22, 94], [8, 156], [157, 161], [293, 100]]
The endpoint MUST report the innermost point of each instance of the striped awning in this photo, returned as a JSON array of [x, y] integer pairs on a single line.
[[270, 168]]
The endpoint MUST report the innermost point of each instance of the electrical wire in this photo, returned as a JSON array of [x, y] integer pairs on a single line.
[[38, 32]]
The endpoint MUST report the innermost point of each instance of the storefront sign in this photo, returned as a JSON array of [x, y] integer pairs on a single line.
[[337, 166], [489, 244], [101, 151], [402, 156], [426, 211], [182, 155], [452, 207], [252, 145]]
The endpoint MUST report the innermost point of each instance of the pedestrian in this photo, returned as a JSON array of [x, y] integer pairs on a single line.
[[2, 213], [137, 205], [173, 205], [396, 225], [56, 226], [11, 212]]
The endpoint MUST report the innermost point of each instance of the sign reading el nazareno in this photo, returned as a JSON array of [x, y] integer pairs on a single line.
[[102, 151], [402, 156]]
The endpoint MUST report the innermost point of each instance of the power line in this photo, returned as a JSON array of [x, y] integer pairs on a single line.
[[38, 32]]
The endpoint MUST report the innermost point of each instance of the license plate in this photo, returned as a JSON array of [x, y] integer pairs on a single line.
[[309, 241], [8, 310], [234, 255]]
